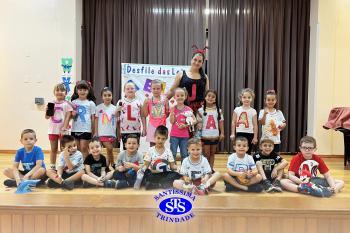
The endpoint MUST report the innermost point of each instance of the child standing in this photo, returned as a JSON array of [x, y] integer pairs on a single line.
[[242, 173], [106, 123], [270, 166], [83, 115], [32, 159], [129, 114], [244, 122], [70, 165], [179, 133], [128, 163], [96, 168], [196, 169], [272, 120], [307, 162], [157, 108], [211, 125], [161, 163], [58, 123]]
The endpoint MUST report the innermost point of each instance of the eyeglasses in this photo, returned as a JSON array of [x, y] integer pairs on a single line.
[[307, 148]]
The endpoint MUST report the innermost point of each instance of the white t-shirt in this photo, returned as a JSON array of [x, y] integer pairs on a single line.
[[195, 170], [153, 156], [107, 121], [82, 121], [210, 123], [244, 123], [270, 130], [130, 115], [240, 164], [76, 159], [57, 120]]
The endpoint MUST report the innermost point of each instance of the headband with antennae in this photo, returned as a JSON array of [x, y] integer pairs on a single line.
[[201, 51]]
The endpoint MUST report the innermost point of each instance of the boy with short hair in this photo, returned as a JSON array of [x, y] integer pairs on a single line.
[[242, 173], [32, 159], [160, 163], [96, 168], [270, 166], [70, 165], [306, 162], [128, 163], [196, 171]]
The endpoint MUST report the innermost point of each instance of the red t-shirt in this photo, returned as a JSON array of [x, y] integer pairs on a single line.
[[299, 163]]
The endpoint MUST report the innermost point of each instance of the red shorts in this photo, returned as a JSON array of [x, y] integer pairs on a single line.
[[198, 182], [54, 137], [107, 139]]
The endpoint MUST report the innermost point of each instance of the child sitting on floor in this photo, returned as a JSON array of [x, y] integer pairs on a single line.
[[70, 165], [307, 162], [128, 163], [96, 168], [242, 173], [196, 170], [270, 166], [32, 159]]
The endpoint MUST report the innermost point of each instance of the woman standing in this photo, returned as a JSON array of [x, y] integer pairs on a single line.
[[194, 80]]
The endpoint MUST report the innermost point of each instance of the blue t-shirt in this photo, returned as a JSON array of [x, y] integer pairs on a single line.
[[28, 159]]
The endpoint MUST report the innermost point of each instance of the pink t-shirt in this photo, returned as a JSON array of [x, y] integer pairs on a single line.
[[180, 118], [158, 111], [57, 120]]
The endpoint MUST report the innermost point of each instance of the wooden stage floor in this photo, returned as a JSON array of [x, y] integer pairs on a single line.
[[107, 210]]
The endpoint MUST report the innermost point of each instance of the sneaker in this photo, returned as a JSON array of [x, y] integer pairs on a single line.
[[255, 188], [120, 184], [88, 185], [110, 184], [67, 184], [267, 186], [197, 190], [10, 183], [231, 188], [52, 184], [277, 187], [310, 188], [150, 185]]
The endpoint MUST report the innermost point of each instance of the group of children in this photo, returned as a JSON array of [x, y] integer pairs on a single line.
[[94, 126]]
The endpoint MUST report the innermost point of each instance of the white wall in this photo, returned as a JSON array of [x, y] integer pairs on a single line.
[[331, 74], [35, 35]]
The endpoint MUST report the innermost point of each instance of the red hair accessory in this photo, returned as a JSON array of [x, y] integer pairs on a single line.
[[202, 51]]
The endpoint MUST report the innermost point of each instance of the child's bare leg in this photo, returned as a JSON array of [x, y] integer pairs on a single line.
[[109, 148], [84, 147], [77, 142], [38, 174], [206, 152], [227, 177], [261, 170], [8, 172], [280, 174], [109, 175], [76, 176], [255, 179], [212, 155], [52, 174], [289, 185], [91, 180], [215, 177], [54, 150]]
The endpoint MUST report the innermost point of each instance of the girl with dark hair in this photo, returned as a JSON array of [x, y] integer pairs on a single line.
[[211, 123], [106, 123], [194, 80], [83, 115]]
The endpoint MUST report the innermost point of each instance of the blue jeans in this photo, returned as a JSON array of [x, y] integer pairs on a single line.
[[179, 142]]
